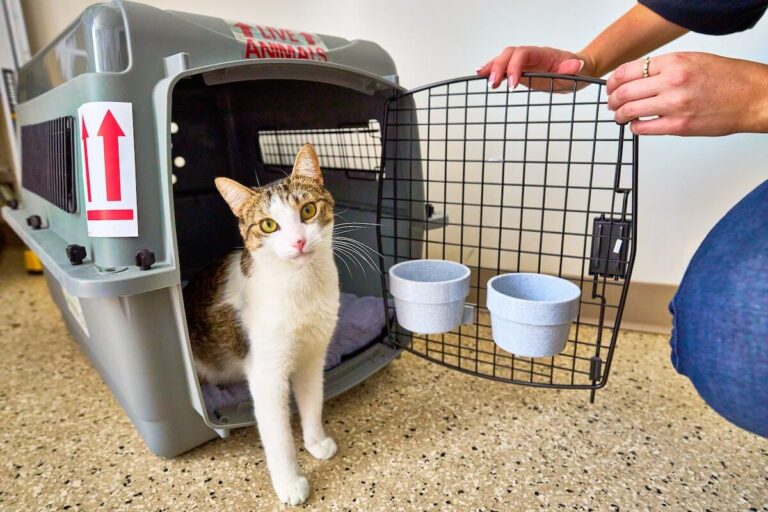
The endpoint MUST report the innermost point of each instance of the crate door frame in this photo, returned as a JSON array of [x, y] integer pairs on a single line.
[[412, 224]]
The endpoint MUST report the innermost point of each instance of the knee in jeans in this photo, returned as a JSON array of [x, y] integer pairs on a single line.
[[673, 340]]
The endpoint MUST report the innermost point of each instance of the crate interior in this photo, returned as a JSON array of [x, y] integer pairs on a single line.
[[250, 131]]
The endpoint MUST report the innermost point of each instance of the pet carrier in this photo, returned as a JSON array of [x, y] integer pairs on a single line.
[[129, 115]]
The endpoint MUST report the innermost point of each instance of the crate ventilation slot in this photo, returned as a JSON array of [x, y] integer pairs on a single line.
[[346, 148], [49, 165]]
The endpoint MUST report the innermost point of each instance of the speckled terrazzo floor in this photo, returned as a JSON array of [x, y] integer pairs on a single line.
[[414, 437]]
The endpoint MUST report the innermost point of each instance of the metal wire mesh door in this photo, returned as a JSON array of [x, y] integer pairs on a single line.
[[538, 179]]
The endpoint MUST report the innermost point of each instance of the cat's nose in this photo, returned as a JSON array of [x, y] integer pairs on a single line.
[[300, 243]]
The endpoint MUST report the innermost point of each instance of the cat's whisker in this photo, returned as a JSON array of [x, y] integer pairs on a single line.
[[345, 230], [355, 223], [344, 262], [355, 250], [358, 257], [358, 249], [349, 229], [348, 252], [352, 258], [339, 214], [348, 238], [364, 256], [278, 169], [358, 243], [354, 242], [342, 256], [347, 225]]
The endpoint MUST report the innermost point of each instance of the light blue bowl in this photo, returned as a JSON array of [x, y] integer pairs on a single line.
[[429, 294], [531, 314]]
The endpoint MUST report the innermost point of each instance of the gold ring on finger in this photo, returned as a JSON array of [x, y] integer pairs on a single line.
[[646, 65]]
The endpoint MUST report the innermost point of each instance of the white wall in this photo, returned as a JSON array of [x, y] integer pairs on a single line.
[[685, 184]]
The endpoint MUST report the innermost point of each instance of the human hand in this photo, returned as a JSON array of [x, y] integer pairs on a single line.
[[691, 94], [513, 61]]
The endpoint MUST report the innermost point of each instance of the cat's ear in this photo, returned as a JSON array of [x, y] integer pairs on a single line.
[[307, 165], [235, 194]]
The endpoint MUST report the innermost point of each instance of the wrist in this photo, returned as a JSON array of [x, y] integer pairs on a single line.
[[591, 66], [754, 118], [761, 100]]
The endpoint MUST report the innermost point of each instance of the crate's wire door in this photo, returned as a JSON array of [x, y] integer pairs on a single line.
[[536, 179]]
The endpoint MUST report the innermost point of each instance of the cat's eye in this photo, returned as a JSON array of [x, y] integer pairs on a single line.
[[308, 211], [268, 225]]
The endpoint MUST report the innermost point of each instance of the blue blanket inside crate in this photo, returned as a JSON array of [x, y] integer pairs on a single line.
[[361, 320]]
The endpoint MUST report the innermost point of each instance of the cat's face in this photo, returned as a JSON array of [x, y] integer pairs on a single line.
[[291, 219]]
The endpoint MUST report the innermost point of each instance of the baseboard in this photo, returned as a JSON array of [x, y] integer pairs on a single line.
[[647, 307]]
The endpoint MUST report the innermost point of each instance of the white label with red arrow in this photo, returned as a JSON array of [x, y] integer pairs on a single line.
[[109, 168]]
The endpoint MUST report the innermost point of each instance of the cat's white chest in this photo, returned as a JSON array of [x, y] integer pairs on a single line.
[[287, 308]]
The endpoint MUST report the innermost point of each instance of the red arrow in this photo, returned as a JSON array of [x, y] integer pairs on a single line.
[[247, 32], [110, 131], [84, 137]]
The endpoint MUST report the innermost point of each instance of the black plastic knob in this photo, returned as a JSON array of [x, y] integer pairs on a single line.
[[75, 254], [145, 259], [34, 221]]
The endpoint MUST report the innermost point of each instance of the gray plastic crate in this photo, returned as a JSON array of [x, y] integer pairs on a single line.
[[192, 69]]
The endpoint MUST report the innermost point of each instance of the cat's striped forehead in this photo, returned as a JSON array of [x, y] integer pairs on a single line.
[[293, 191]]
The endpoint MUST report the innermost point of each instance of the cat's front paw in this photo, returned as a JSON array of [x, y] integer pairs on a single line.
[[323, 450], [293, 491]]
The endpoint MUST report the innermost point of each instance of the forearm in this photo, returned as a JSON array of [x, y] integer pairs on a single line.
[[635, 34]]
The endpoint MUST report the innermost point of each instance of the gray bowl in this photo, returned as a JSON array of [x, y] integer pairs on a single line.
[[531, 314], [429, 294]]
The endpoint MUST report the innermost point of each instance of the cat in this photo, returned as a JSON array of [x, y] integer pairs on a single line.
[[266, 315]]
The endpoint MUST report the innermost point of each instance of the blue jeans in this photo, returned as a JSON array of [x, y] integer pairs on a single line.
[[720, 316]]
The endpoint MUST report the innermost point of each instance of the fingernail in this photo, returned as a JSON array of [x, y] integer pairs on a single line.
[[492, 79], [581, 66], [477, 70]]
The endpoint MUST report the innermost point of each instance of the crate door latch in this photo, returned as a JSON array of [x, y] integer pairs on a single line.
[[610, 242]]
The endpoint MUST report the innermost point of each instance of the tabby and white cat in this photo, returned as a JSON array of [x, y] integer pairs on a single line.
[[268, 313]]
